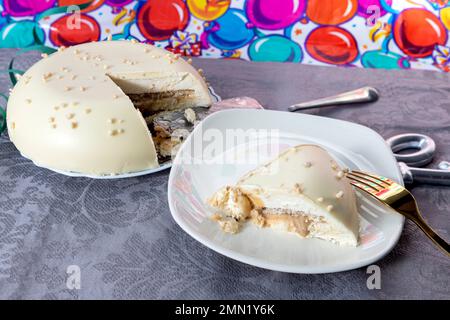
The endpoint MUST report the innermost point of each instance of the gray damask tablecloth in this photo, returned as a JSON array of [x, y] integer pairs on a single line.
[[121, 234]]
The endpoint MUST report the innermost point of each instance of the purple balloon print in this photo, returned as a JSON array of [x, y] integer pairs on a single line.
[[118, 3], [22, 8], [274, 14], [369, 8]]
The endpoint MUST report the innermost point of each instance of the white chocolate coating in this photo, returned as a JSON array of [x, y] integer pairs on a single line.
[[306, 178], [67, 113]]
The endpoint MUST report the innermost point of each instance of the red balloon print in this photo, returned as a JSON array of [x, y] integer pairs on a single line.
[[332, 45], [159, 19], [94, 4], [69, 30], [418, 31]]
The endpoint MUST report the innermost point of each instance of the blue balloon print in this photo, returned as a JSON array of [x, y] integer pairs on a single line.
[[21, 34], [275, 48], [384, 60], [3, 21], [230, 31]]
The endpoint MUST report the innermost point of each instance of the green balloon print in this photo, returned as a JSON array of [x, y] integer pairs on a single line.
[[21, 34], [275, 48]]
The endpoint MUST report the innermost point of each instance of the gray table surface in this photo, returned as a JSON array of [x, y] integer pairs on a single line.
[[122, 236]]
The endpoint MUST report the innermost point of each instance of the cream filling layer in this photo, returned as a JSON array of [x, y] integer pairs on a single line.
[[276, 208]]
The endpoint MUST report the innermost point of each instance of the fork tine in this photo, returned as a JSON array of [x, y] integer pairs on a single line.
[[363, 183], [369, 178], [379, 179]]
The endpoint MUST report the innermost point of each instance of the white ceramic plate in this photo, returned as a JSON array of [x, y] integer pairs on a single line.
[[198, 171], [163, 166]]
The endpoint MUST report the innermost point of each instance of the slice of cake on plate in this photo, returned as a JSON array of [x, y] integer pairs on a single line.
[[303, 191]]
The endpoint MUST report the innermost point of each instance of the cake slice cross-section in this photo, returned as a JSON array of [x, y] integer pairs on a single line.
[[303, 191]]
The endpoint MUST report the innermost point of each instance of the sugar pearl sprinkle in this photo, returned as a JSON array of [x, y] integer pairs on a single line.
[[51, 119], [70, 116], [329, 208], [113, 132], [340, 174], [74, 125], [28, 101], [307, 164], [44, 55], [87, 111], [333, 166], [320, 199], [298, 188], [112, 120], [340, 194]]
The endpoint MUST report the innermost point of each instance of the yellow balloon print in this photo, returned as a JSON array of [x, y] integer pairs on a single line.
[[445, 17], [208, 10]]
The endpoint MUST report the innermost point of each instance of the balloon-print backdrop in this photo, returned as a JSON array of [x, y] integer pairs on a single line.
[[393, 34]]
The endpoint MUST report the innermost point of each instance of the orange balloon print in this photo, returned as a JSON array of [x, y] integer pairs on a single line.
[[208, 10], [331, 12], [418, 31], [93, 6]]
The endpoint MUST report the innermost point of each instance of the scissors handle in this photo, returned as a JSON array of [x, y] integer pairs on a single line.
[[426, 176]]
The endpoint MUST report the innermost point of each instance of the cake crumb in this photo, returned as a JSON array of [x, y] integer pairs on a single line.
[[258, 218], [229, 225], [320, 199], [308, 164], [329, 208], [340, 174], [340, 194], [190, 115]]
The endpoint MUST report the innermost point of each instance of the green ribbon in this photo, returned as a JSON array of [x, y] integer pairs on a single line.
[[3, 114]]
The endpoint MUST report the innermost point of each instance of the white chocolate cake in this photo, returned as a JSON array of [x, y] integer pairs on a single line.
[[82, 108], [302, 191]]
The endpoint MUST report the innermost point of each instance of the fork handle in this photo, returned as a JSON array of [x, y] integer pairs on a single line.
[[438, 241]]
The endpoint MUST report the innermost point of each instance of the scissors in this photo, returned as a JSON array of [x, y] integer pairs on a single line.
[[422, 149], [411, 150]]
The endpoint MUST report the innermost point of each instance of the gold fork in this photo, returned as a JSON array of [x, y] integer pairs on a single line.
[[396, 197]]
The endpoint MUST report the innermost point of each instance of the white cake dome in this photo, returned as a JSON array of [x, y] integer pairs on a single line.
[[70, 111]]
